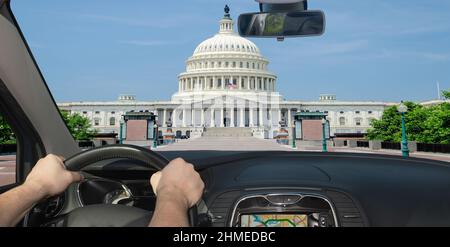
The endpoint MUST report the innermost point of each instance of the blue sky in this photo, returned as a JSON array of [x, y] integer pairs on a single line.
[[371, 50]]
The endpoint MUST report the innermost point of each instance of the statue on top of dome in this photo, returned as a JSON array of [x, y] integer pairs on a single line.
[[227, 11]]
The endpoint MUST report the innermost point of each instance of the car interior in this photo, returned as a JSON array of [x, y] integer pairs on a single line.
[[321, 189]]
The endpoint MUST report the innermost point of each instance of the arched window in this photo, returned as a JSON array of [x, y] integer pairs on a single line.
[[342, 121], [112, 121]]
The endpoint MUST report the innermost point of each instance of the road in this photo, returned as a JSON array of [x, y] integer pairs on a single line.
[[225, 144], [7, 169]]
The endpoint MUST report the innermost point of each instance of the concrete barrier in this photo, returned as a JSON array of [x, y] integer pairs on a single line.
[[375, 145], [412, 146], [339, 143], [352, 143]]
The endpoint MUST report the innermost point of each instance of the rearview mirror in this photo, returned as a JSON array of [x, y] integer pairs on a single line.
[[282, 24]]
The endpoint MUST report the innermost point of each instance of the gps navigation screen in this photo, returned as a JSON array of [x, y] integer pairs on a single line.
[[274, 220]]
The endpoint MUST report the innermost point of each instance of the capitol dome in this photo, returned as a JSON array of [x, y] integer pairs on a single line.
[[226, 42], [228, 63]]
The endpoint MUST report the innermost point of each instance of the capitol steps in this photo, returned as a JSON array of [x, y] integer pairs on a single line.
[[228, 132]]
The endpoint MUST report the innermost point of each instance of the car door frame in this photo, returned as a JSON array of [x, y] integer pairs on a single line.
[[26, 101]]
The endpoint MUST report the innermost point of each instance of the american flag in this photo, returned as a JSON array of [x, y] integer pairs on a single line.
[[231, 86]]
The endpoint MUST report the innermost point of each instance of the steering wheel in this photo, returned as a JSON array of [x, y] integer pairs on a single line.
[[115, 215]]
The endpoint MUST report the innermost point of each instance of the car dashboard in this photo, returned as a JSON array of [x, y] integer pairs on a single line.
[[282, 189]]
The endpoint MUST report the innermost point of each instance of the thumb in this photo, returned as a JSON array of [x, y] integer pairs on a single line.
[[154, 181], [76, 176]]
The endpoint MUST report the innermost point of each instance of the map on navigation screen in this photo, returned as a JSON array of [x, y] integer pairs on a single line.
[[274, 220]]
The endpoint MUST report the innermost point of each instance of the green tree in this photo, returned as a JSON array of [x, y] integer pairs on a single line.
[[430, 124], [79, 126], [446, 94], [6, 134]]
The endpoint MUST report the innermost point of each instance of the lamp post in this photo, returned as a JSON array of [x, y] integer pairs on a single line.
[[294, 144], [402, 108], [155, 136], [324, 140], [122, 122]]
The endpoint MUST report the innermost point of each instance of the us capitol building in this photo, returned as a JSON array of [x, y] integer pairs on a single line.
[[227, 84]]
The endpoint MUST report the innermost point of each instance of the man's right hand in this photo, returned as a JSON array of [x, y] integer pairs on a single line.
[[178, 181]]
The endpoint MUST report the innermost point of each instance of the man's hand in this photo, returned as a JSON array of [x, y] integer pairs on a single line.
[[178, 179], [50, 177], [178, 187]]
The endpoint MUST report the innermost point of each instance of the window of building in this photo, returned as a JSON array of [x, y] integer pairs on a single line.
[[248, 65], [112, 121], [342, 121], [97, 112], [85, 112], [8, 149], [357, 112], [370, 112], [341, 112], [326, 112], [113, 112], [358, 121], [241, 64], [96, 122], [234, 65]]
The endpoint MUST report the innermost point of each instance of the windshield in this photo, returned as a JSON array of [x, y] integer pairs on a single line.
[[176, 77]]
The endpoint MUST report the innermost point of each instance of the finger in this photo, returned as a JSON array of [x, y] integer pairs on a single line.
[[154, 181], [76, 176]]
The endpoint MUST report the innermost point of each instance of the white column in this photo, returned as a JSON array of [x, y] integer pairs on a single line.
[[241, 117], [213, 121], [250, 116], [174, 117], [270, 117], [206, 83], [221, 117], [223, 83], [261, 120], [232, 117], [289, 124], [193, 116], [240, 83], [202, 118], [279, 117], [164, 118], [184, 117]]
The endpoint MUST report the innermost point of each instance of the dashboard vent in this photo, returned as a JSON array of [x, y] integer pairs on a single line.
[[348, 214], [220, 208]]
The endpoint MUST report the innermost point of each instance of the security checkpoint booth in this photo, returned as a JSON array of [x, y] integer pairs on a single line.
[[312, 128], [138, 128]]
